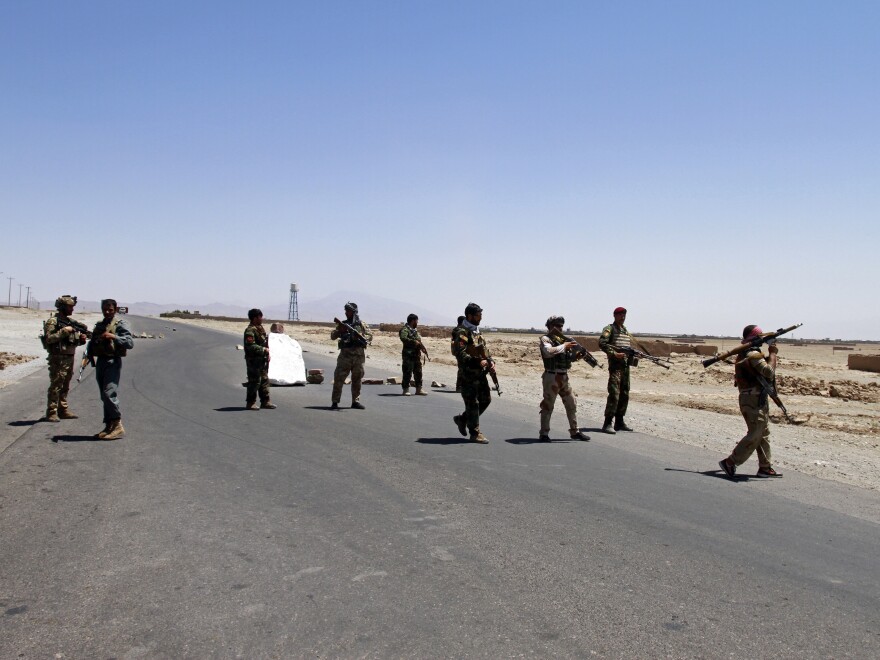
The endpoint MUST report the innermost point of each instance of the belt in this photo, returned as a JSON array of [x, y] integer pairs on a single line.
[[547, 371], [751, 389]]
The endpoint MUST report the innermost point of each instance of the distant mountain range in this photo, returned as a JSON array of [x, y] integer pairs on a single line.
[[373, 309]]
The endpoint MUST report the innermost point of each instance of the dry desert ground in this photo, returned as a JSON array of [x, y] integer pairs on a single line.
[[836, 410]]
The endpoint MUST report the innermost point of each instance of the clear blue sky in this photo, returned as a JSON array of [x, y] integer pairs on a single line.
[[705, 164]]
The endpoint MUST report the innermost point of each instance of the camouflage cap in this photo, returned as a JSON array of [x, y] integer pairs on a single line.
[[64, 301], [555, 320]]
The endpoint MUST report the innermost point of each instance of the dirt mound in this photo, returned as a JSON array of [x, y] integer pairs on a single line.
[[10, 359], [847, 390]]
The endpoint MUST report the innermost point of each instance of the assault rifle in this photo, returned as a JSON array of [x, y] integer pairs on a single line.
[[766, 338], [363, 341], [86, 359], [769, 389], [633, 356], [578, 351], [490, 366], [80, 327], [418, 344]]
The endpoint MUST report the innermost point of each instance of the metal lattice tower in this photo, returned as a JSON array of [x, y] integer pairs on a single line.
[[293, 310]]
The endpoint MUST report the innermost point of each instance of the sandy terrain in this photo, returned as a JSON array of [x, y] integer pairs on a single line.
[[837, 435]]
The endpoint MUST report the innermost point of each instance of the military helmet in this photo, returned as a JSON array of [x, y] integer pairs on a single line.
[[555, 320], [63, 301], [351, 307], [472, 308]]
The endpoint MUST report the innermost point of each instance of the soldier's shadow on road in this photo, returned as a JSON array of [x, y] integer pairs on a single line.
[[718, 474], [24, 422], [75, 438], [446, 441], [230, 409], [326, 408], [535, 441]]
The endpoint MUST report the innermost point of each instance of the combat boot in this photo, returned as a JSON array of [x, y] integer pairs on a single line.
[[477, 436], [607, 428], [251, 405], [116, 430], [103, 434], [268, 405], [64, 413], [421, 392], [51, 416], [461, 424], [620, 425], [406, 391]]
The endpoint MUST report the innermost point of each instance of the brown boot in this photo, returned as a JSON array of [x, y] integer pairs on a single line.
[[103, 434], [116, 430], [64, 413], [51, 416], [421, 392], [477, 436]]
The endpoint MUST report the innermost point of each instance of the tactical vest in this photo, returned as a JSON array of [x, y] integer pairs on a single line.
[[474, 342], [349, 339], [105, 347], [620, 338], [560, 361], [409, 334], [745, 376], [66, 345]]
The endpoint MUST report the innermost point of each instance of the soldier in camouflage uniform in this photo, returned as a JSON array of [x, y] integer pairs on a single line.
[[474, 364], [556, 353], [352, 355], [411, 357], [111, 341], [751, 367], [256, 357], [61, 336], [458, 374], [613, 335]]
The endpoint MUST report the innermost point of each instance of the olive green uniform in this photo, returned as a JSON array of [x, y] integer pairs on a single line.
[[256, 354]]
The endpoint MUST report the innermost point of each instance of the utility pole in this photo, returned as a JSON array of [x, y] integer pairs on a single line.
[[19, 294], [27, 300], [9, 293]]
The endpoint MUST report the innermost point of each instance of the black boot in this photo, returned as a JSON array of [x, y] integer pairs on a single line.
[[620, 425]]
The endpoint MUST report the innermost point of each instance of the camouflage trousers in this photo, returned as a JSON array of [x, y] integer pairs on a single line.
[[108, 371], [757, 435], [257, 381], [477, 397], [412, 369], [618, 391], [350, 361], [557, 385], [60, 373]]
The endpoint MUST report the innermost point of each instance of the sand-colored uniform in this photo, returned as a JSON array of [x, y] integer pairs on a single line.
[[61, 340], [754, 406], [352, 356], [256, 352], [557, 362]]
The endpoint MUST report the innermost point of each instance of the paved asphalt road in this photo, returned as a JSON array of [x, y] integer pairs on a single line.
[[211, 531]]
